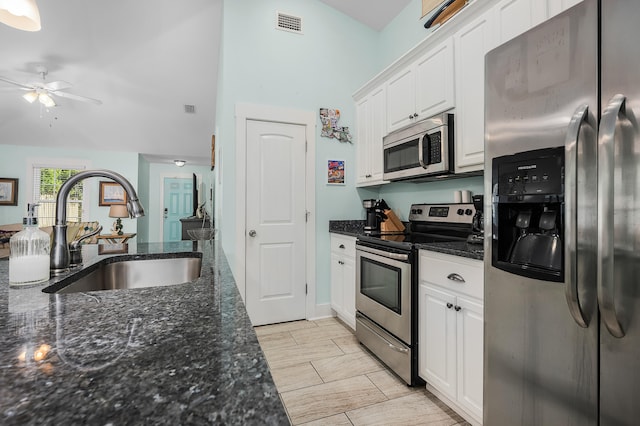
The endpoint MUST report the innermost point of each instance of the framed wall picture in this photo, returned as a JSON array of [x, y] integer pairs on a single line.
[[8, 192], [336, 172], [112, 193]]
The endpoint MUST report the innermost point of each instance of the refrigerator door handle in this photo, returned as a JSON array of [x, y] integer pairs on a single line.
[[571, 168], [606, 156]]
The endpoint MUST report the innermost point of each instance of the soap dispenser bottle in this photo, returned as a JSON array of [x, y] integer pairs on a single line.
[[29, 252]]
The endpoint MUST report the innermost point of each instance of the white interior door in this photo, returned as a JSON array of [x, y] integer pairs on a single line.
[[275, 222]]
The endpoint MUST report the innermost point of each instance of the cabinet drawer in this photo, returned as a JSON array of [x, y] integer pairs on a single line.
[[456, 273], [343, 244]]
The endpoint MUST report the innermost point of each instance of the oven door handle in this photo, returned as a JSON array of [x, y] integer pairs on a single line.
[[395, 256], [391, 345]]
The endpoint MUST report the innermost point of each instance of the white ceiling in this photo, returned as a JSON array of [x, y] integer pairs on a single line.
[[144, 59]]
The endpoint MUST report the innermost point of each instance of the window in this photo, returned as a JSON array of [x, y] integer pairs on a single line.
[[46, 183]]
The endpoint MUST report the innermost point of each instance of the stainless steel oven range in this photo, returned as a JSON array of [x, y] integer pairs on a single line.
[[387, 283]]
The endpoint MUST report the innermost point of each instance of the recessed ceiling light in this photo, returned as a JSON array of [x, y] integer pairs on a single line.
[[179, 163]]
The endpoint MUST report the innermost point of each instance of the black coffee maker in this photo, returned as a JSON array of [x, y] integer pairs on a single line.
[[477, 237], [372, 223]]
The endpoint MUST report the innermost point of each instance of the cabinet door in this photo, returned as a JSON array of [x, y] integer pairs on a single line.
[[517, 16], [349, 291], [437, 339], [363, 137], [472, 42], [337, 274], [401, 99], [378, 126], [470, 338], [434, 81], [371, 115]]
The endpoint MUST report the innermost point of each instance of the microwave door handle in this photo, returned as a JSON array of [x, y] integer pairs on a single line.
[[606, 159], [571, 161], [421, 151]]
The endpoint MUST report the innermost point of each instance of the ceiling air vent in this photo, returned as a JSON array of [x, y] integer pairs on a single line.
[[289, 23], [190, 109]]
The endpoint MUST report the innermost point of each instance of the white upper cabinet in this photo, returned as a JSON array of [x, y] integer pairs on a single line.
[[401, 98], [434, 77], [513, 17], [471, 43], [422, 89], [445, 71], [370, 129]]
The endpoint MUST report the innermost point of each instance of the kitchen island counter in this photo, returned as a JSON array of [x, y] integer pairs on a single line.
[[179, 354]]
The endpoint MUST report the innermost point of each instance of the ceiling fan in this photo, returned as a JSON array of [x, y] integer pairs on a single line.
[[46, 92]]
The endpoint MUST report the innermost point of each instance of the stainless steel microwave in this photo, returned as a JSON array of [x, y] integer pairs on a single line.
[[422, 149]]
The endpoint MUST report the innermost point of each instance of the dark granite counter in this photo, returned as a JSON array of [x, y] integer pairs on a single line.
[[352, 228], [456, 248], [179, 354]]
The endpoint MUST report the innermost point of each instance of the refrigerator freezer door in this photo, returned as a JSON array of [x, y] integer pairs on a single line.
[[620, 356], [541, 366]]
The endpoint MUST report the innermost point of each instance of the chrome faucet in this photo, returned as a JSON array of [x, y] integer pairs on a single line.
[[60, 256]]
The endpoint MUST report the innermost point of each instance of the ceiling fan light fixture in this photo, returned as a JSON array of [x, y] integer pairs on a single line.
[[46, 100], [179, 163], [20, 14], [30, 96]]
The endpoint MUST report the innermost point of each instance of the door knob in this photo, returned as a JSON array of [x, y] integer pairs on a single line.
[[252, 233]]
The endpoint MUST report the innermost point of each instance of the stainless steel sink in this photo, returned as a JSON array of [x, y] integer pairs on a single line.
[[134, 274]]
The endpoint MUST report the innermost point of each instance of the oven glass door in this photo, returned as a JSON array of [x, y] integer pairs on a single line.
[[382, 283], [383, 290]]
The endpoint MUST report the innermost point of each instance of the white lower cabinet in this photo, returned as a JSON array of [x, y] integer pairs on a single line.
[[343, 278], [450, 327]]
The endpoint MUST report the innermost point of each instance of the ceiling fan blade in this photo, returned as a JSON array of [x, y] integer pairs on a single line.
[[25, 86], [57, 85], [76, 97]]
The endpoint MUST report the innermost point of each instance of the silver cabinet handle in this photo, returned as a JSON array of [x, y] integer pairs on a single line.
[[570, 188], [456, 277], [341, 246], [606, 158], [253, 233]]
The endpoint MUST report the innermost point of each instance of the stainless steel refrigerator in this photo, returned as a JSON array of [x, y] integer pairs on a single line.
[[562, 260]]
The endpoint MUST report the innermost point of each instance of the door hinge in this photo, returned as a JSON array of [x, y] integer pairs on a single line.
[[306, 288], [306, 216], [306, 145]]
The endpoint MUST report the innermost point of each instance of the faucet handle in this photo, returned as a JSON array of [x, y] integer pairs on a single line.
[[75, 244]]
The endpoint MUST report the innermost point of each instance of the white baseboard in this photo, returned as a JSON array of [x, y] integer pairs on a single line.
[[320, 312]]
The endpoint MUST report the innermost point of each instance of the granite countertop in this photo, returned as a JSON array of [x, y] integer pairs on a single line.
[[456, 248], [179, 354], [352, 228]]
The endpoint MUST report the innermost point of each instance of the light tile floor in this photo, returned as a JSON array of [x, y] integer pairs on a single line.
[[325, 377]]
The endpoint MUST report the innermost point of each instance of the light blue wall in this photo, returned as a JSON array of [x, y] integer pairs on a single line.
[[154, 207], [321, 68], [404, 32], [15, 164]]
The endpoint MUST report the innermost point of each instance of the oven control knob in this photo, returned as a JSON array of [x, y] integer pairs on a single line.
[[414, 211], [460, 212], [419, 211], [468, 212]]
